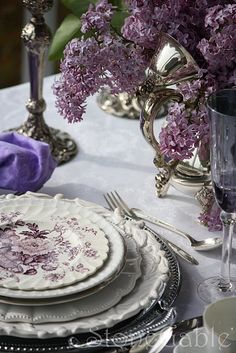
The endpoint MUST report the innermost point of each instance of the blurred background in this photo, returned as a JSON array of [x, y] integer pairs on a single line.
[[13, 58]]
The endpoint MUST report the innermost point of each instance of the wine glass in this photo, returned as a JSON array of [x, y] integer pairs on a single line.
[[222, 118]]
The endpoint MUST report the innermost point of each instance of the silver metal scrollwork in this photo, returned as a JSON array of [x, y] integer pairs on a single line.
[[170, 65], [122, 104]]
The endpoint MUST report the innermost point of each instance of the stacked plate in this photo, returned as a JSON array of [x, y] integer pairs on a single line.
[[64, 262]]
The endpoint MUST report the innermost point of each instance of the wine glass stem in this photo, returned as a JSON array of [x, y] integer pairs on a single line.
[[228, 220]]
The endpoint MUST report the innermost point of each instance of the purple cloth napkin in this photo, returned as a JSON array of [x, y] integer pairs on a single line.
[[25, 164]]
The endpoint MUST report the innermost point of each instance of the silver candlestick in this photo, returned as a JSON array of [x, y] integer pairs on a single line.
[[36, 36]]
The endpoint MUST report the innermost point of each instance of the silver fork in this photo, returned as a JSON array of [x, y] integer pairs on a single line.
[[115, 201], [199, 245]]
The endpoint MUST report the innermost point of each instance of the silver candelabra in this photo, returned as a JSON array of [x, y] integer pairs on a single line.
[[36, 36]]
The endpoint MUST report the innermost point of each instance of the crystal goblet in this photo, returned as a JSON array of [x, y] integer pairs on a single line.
[[222, 118]]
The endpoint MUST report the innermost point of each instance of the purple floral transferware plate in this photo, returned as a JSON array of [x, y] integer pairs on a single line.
[[42, 249], [106, 298], [48, 208], [151, 284]]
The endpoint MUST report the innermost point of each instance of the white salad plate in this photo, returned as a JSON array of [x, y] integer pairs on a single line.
[[91, 305], [151, 284], [66, 216], [195, 342]]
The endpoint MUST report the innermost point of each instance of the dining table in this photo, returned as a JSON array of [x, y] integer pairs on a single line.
[[113, 155]]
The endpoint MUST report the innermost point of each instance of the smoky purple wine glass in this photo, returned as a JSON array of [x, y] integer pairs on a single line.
[[222, 119]]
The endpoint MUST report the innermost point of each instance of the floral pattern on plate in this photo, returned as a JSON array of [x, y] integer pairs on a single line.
[[103, 300], [36, 207], [51, 253], [155, 274]]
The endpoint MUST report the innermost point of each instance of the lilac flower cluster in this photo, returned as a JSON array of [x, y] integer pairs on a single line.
[[102, 60], [206, 28], [220, 48], [187, 124], [211, 219], [177, 138], [97, 17]]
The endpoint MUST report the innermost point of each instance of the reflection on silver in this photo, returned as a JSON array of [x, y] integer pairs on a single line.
[[170, 65], [36, 36], [122, 104]]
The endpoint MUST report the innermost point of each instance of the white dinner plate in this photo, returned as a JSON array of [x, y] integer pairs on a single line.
[[154, 268], [69, 213], [91, 305]]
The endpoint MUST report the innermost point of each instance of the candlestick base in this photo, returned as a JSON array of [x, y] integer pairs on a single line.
[[63, 147]]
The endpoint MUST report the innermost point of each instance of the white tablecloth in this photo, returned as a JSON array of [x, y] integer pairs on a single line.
[[113, 155]]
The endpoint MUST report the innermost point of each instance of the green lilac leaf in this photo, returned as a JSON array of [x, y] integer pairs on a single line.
[[118, 20], [78, 7], [69, 29]]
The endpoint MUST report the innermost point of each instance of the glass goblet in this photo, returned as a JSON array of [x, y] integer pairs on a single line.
[[222, 118]]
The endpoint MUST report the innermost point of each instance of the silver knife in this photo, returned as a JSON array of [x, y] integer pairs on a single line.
[[176, 249], [157, 341], [182, 253]]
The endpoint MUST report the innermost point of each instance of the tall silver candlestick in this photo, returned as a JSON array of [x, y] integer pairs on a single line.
[[36, 36]]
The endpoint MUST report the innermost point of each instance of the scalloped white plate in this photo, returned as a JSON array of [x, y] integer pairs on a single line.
[[154, 269], [66, 215], [41, 250], [91, 305]]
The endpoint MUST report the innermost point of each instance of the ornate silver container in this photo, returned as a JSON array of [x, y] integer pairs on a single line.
[[170, 65]]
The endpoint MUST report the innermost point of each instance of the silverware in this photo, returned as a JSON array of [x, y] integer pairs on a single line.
[[156, 342], [113, 204], [177, 250], [135, 213], [199, 245]]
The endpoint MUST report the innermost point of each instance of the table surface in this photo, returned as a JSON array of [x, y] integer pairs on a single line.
[[113, 155]]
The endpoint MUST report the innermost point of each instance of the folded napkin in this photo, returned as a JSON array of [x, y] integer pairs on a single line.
[[25, 164]]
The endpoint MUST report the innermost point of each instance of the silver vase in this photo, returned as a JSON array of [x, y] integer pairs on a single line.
[[170, 65]]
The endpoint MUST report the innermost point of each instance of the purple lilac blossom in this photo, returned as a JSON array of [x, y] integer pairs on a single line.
[[92, 63], [207, 32], [89, 65], [97, 17], [206, 28], [211, 219], [177, 138], [187, 124]]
